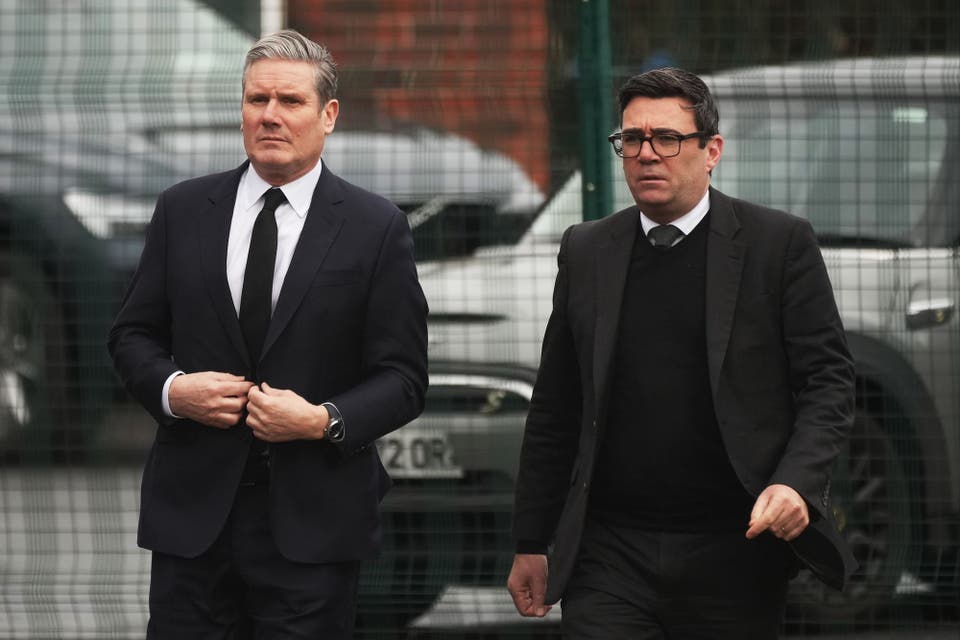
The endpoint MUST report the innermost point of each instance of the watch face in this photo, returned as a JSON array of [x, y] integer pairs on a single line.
[[335, 429]]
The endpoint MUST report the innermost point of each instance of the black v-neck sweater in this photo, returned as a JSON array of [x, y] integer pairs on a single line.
[[662, 464]]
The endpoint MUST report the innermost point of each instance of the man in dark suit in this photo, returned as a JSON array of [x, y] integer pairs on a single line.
[[275, 328], [694, 389]]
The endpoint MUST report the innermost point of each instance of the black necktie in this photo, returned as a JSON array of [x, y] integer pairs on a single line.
[[664, 236], [256, 298]]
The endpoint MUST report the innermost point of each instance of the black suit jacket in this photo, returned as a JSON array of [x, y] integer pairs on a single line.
[[781, 375], [349, 327]]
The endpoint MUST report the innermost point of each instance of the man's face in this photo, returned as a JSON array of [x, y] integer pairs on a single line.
[[284, 124], [667, 188]]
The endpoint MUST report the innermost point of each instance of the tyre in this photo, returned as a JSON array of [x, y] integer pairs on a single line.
[[872, 491], [32, 359]]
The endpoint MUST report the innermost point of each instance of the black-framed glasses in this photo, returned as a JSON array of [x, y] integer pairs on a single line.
[[665, 145]]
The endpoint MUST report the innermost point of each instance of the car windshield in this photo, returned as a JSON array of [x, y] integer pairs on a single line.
[[864, 172], [860, 171]]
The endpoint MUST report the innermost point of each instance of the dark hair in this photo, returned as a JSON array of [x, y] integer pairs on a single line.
[[670, 82], [291, 45]]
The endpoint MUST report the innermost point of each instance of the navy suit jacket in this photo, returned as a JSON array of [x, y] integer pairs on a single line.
[[349, 327], [781, 375]]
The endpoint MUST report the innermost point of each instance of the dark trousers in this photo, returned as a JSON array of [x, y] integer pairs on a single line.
[[678, 586], [243, 588]]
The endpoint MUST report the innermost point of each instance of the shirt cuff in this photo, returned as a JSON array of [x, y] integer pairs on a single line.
[[165, 395]]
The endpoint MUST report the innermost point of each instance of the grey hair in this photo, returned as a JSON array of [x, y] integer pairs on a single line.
[[670, 82], [292, 45]]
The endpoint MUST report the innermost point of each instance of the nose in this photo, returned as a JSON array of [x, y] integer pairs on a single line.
[[270, 112], [647, 154]]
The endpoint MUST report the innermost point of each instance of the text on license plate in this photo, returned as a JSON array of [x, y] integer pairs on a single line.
[[415, 453]]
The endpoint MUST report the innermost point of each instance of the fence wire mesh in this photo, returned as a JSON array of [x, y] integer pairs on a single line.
[[472, 117]]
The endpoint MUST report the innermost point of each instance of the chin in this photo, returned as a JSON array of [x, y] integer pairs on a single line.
[[644, 198], [271, 161]]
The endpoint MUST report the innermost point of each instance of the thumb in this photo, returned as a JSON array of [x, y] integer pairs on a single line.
[[266, 388], [757, 516], [759, 507], [537, 592]]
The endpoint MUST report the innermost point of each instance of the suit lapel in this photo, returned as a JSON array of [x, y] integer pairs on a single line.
[[724, 267], [612, 265], [214, 231], [319, 230]]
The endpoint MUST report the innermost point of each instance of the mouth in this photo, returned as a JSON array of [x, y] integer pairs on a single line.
[[272, 139]]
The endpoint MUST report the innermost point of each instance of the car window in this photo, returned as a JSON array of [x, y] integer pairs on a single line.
[[864, 170]]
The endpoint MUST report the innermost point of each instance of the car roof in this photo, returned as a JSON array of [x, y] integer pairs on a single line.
[[931, 76]]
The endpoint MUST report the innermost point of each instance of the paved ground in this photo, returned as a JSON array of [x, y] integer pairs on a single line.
[[69, 564], [70, 567]]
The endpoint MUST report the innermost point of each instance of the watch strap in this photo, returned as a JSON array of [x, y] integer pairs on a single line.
[[335, 428]]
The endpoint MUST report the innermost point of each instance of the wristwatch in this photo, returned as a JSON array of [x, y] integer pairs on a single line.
[[334, 431]]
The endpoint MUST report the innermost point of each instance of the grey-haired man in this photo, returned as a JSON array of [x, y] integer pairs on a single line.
[[275, 328]]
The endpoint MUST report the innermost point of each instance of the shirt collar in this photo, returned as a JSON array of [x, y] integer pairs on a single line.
[[687, 222], [299, 193]]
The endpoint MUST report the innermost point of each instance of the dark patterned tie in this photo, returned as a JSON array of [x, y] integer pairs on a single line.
[[256, 298], [664, 236]]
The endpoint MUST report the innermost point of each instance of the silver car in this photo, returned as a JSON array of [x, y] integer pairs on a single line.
[[93, 126], [869, 151]]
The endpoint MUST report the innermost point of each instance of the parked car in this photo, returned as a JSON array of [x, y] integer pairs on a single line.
[[94, 123], [94, 126], [447, 517], [867, 150]]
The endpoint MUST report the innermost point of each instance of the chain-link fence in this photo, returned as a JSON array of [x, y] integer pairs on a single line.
[[486, 121]]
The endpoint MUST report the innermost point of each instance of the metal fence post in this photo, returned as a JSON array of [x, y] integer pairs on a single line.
[[595, 108]]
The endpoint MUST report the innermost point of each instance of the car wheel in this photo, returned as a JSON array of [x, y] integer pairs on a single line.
[[32, 362], [872, 504]]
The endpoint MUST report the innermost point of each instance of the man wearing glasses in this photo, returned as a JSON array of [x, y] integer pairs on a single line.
[[694, 389]]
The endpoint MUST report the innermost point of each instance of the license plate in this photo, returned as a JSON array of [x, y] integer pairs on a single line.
[[417, 453]]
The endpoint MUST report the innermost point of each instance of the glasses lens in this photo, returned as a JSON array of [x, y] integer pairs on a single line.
[[666, 145], [630, 145], [617, 144]]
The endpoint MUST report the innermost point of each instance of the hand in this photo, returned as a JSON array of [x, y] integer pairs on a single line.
[[280, 415], [212, 398], [779, 510], [528, 584]]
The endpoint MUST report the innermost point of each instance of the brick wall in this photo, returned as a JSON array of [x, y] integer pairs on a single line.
[[473, 67]]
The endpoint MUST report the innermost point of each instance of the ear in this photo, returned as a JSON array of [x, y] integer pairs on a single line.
[[714, 151], [328, 115]]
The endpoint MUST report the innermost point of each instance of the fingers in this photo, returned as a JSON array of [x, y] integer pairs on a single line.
[[213, 398], [280, 415], [780, 510], [760, 519], [226, 412], [527, 584]]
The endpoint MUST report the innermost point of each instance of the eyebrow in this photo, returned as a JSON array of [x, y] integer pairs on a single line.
[[655, 131], [281, 95]]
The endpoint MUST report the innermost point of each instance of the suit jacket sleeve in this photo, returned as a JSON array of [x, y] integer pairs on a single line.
[[553, 425], [393, 362], [820, 368], [139, 340]]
